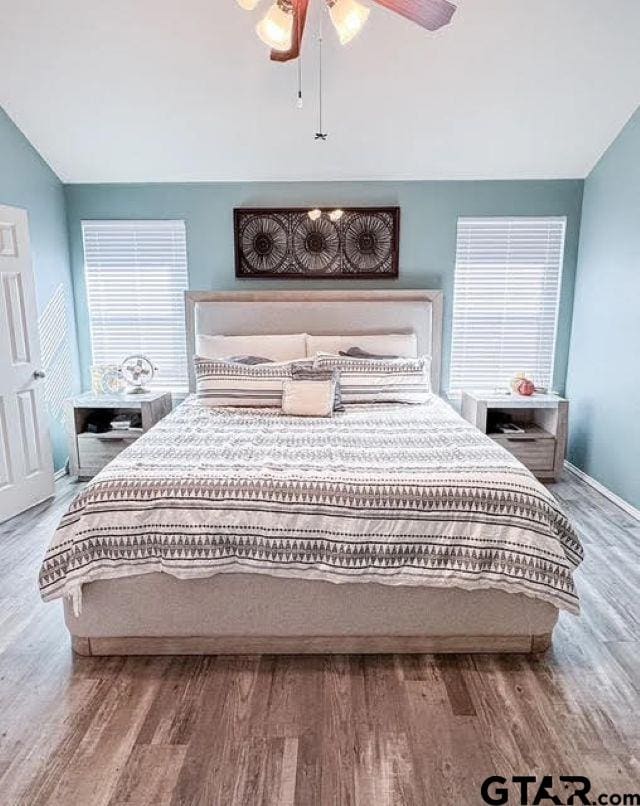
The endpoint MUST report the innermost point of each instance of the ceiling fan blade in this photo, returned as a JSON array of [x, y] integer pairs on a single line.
[[299, 20], [430, 14]]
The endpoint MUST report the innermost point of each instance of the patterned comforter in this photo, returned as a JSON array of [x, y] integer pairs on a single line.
[[394, 494]]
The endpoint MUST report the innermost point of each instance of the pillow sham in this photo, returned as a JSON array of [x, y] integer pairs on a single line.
[[228, 383], [393, 380], [276, 347], [401, 344], [307, 372], [309, 398]]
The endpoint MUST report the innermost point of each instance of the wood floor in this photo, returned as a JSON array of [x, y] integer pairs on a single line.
[[319, 730]]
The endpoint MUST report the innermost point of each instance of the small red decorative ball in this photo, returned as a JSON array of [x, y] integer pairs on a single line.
[[526, 387]]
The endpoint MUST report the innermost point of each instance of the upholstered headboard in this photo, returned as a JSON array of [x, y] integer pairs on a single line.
[[246, 313]]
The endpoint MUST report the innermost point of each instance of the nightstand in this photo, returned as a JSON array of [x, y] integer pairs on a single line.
[[543, 418], [90, 452]]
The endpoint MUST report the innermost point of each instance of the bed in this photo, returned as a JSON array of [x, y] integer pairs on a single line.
[[387, 528]]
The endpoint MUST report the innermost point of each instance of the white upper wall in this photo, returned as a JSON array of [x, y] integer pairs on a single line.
[[166, 90]]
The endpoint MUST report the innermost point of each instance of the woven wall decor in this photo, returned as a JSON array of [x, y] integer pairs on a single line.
[[281, 243]]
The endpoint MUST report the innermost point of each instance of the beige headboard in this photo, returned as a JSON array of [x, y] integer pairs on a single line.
[[246, 313]]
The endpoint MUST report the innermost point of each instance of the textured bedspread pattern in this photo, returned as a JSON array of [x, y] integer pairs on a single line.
[[388, 493]]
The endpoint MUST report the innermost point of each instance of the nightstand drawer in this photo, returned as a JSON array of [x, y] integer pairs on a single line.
[[533, 429], [90, 446], [536, 454], [96, 451]]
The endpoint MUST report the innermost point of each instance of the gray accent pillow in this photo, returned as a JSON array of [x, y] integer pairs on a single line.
[[250, 360], [358, 352]]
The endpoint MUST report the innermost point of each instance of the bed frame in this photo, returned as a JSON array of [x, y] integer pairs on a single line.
[[245, 613], [248, 614], [312, 645]]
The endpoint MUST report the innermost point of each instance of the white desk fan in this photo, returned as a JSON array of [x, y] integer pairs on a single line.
[[137, 370]]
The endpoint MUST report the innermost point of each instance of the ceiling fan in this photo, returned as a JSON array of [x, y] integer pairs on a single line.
[[282, 27]]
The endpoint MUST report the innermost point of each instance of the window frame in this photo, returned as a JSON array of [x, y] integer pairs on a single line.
[[182, 388], [456, 393]]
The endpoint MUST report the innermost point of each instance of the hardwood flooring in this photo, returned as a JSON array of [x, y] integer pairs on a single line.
[[368, 730]]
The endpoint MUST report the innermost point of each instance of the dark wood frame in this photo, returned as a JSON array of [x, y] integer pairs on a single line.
[[394, 212]]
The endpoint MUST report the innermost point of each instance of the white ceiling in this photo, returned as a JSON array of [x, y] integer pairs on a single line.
[[179, 90]]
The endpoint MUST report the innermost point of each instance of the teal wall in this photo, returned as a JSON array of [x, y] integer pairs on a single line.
[[601, 369], [428, 230], [27, 181], [603, 381]]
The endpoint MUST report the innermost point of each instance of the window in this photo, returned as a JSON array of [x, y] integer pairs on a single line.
[[136, 275], [505, 304]]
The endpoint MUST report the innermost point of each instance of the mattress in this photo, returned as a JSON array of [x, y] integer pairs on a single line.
[[397, 495]]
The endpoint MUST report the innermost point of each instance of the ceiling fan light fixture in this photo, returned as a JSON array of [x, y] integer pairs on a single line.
[[314, 214], [247, 5], [275, 29], [336, 215], [348, 18]]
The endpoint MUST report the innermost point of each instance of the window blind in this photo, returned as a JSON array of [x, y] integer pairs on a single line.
[[505, 305], [136, 275]]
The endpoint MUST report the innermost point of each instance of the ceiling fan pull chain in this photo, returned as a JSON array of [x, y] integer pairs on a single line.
[[299, 34], [320, 134], [299, 103]]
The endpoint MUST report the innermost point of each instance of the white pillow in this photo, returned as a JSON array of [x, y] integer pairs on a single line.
[[404, 345], [277, 348], [308, 398]]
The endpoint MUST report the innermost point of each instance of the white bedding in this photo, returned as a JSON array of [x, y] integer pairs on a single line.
[[391, 493]]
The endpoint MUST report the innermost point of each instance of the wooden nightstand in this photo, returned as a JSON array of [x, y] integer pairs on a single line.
[[541, 445], [90, 452]]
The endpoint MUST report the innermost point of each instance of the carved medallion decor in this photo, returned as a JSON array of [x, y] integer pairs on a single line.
[[352, 243]]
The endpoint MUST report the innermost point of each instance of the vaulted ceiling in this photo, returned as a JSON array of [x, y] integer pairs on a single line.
[[159, 90]]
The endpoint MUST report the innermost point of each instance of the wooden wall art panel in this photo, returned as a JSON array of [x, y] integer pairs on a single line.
[[287, 243]]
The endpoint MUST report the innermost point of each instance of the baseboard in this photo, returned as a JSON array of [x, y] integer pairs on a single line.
[[60, 473], [625, 505]]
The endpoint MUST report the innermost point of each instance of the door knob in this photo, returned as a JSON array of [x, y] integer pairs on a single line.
[[38, 374]]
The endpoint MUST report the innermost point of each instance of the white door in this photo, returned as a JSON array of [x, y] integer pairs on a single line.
[[26, 468]]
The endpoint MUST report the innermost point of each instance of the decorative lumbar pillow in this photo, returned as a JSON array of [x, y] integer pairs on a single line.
[[308, 398], [393, 380], [401, 344], [275, 347], [228, 383], [305, 371]]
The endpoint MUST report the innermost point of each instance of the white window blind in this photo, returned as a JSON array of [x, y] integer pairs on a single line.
[[505, 305], [136, 275]]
